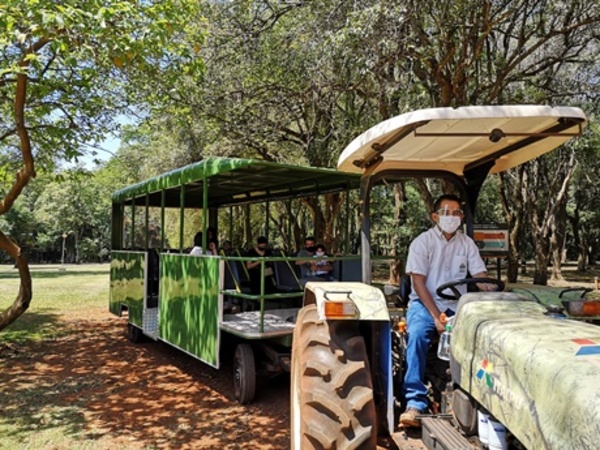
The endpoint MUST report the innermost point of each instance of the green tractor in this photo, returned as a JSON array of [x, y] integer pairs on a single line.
[[521, 374]]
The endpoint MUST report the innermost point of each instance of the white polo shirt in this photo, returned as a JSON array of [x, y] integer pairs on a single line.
[[441, 261]]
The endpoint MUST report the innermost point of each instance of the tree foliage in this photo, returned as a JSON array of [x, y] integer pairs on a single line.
[[296, 81], [66, 71]]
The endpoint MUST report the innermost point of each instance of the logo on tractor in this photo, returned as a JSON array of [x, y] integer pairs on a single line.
[[487, 369], [587, 347]]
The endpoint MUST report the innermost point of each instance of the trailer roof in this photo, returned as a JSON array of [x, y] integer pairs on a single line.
[[461, 139], [236, 181]]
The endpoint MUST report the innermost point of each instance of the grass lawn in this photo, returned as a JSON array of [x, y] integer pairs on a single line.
[[70, 292]]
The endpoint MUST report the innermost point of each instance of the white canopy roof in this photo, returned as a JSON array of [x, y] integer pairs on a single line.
[[458, 139]]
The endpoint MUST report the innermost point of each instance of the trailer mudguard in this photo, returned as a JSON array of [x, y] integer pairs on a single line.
[[538, 375]]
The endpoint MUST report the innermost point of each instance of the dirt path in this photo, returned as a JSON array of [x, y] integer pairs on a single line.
[[147, 395]]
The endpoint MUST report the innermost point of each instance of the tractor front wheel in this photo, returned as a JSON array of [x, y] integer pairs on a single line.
[[331, 387]]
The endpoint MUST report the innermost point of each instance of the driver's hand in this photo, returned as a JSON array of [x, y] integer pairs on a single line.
[[486, 287], [439, 325]]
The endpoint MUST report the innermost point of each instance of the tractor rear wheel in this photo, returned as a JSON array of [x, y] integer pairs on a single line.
[[331, 387]]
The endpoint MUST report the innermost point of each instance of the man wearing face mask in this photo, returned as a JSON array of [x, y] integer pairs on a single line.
[[437, 256], [262, 250]]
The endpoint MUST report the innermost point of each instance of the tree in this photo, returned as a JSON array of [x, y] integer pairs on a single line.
[[68, 69]]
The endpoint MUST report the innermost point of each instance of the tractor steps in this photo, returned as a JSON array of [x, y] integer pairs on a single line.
[[439, 434]]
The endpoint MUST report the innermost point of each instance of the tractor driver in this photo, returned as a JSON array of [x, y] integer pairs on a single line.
[[437, 256]]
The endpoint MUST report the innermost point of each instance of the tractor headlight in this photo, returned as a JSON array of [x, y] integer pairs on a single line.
[[338, 304], [582, 308], [339, 309]]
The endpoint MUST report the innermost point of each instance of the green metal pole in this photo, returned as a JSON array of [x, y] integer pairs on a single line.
[[122, 227], [181, 216], [231, 224], [262, 294], [267, 218], [132, 224], [147, 220], [347, 227], [162, 220], [204, 213]]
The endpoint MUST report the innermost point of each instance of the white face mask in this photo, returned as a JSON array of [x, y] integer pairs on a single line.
[[449, 224], [320, 253]]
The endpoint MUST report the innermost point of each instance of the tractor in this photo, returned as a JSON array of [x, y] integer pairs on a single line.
[[521, 374]]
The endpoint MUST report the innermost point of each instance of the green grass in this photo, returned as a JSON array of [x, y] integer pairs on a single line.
[[74, 291]]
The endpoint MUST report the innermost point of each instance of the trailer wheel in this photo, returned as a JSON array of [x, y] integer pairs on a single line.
[[244, 373], [331, 387], [134, 334]]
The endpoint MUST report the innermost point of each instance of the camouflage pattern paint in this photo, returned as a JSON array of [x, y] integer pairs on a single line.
[[537, 375], [193, 172], [127, 284], [189, 304]]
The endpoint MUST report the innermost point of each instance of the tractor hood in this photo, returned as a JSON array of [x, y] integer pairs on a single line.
[[538, 375]]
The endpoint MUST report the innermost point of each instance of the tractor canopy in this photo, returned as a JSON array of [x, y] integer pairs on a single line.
[[460, 140]]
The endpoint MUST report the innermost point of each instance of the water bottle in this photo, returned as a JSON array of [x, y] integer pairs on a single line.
[[444, 344]]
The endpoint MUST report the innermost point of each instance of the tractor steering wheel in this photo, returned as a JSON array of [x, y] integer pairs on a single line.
[[575, 289], [455, 295]]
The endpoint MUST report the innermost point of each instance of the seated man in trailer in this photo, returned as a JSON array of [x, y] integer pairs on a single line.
[[261, 249]]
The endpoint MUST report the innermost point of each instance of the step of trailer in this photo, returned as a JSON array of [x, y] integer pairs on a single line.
[[439, 434]]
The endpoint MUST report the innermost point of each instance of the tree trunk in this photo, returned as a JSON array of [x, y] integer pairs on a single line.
[[514, 215], [23, 299], [540, 274], [578, 239], [396, 266], [557, 239], [21, 303]]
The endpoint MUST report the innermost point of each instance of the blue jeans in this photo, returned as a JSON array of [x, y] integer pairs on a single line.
[[421, 330]]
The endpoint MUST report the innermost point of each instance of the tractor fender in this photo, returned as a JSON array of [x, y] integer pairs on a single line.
[[364, 302]]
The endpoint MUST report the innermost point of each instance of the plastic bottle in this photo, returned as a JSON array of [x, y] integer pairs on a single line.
[[444, 344]]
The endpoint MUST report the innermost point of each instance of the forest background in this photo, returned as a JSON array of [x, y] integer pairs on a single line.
[[289, 81]]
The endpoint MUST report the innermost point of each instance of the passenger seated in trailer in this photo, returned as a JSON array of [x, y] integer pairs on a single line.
[[306, 265], [213, 246], [197, 249], [260, 250], [321, 267], [226, 248]]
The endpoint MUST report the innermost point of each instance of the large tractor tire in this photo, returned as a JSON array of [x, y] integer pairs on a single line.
[[331, 387]]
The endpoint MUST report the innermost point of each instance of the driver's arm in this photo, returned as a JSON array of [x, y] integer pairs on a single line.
[[484, 286], [427, 300]]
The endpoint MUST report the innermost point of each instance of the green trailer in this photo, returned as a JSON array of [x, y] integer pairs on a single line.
[[185, 301]]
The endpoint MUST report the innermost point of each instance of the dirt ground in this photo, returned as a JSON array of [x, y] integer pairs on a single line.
[[146, 395]]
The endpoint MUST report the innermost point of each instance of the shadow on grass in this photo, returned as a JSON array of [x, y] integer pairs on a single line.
[[33, 325], [149, 393]]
